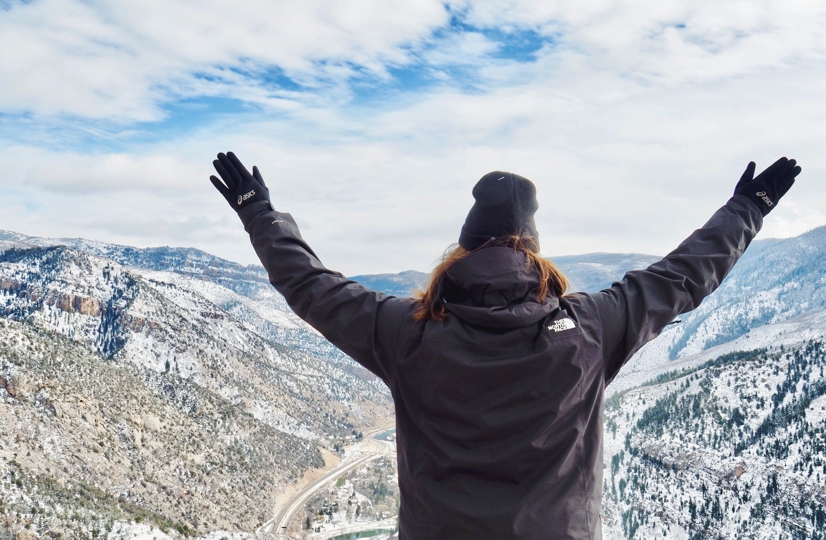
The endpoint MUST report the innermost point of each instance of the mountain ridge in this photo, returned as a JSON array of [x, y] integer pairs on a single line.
[[191, 324], [167, 323]]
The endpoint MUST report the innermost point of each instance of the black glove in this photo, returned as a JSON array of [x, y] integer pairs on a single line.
[[239, 187], [770, 185]]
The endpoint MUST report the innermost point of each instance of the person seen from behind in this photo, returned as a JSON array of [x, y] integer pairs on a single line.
[[497, 374]]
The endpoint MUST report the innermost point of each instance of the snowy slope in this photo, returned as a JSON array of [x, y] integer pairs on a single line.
[[776, 281], [734, 448], [702, 447], [170, 322], [85, 442]]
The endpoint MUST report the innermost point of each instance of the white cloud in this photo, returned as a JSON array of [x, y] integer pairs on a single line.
[[460, 48], [674, 42], [78, 173], [389, 190], [635, 123], [122, 59]]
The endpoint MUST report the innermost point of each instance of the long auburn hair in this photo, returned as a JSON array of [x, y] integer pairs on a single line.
[[551, 279]]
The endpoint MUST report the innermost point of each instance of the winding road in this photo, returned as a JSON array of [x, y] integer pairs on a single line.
[[374, 446]]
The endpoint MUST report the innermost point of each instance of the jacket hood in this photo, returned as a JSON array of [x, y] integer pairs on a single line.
[[493, 287]]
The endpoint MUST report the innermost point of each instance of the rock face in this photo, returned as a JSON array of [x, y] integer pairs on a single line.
[[70, 303]]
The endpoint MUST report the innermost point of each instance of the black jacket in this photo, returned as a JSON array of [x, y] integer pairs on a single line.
[[499, 407]]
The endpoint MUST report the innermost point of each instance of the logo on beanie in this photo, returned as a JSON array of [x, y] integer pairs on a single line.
[[561, 325]]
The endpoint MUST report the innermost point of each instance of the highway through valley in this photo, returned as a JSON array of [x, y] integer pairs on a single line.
[[372, 447]]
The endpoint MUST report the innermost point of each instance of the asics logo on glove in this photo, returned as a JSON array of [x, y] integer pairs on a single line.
[[762, 195], [245, 196]]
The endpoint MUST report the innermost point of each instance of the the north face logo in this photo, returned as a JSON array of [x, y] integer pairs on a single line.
[[562, 324]]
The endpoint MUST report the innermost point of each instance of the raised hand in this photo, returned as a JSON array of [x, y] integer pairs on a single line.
[[770, 185], [237, 185]]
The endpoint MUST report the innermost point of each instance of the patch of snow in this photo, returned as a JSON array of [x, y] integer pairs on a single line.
[[816, 412], [136, 531]]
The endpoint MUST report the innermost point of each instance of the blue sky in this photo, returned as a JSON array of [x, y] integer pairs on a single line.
[[372, 120]]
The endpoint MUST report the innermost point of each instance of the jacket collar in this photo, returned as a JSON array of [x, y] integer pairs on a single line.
[[492, 287]]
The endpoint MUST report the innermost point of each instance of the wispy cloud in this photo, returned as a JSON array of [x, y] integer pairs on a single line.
[[124, 59]]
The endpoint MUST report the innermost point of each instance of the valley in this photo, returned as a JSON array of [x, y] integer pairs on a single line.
[[168, 390]]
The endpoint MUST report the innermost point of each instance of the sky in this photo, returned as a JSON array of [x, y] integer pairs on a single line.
[[372, 120]]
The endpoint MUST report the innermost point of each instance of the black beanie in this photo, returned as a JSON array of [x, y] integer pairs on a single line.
[[505, 205]]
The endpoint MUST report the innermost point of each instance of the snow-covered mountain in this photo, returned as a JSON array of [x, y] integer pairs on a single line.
[[195, 328], [714, 430], [775, 293], [137, 378], [776, 281], [717, 429], [266, 312], [734, 448]]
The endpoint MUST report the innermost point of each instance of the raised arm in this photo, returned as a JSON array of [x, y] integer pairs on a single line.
[[635, 310], [364, 324]]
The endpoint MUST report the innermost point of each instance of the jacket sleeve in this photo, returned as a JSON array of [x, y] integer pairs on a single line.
[[634, 311], [364, 324]]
